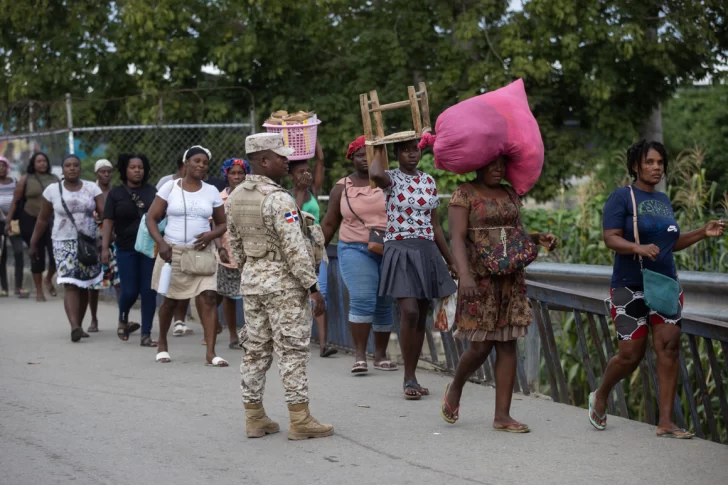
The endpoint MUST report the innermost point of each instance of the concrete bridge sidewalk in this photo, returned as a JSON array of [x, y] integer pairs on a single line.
[[103, 412]]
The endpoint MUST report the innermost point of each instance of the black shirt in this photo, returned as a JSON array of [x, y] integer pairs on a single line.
[[126, 214], [218, 183]]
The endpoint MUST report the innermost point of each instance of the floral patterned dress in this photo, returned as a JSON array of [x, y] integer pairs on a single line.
[[503, 312]]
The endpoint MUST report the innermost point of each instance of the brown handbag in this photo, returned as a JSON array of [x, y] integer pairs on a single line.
[[376, 236]]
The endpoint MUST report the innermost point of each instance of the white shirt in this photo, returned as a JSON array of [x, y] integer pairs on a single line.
[[199, 210], [81, 204], [164, 180]]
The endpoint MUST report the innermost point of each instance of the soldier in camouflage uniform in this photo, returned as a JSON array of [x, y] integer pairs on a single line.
[[278, 277]]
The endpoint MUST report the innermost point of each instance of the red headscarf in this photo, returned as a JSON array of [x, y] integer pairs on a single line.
[[354, 146]]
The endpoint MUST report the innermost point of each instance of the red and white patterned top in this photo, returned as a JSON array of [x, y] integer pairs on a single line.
[[411, 201]]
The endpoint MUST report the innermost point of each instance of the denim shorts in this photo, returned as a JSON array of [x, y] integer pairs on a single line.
[[361, 270], [323, 281]]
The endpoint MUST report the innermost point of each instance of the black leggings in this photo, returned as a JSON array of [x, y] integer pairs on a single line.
[[17, 246], [37, 266]]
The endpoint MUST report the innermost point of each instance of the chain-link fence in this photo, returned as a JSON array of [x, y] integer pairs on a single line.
[[33, 126]]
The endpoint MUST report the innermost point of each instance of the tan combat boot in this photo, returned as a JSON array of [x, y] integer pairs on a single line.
[[257, 423], [304, 426]]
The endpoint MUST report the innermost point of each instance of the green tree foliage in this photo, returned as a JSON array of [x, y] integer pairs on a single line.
[[699, 117], [594, 69]]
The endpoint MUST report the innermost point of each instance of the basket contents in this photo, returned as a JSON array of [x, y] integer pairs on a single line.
[[281, 116]]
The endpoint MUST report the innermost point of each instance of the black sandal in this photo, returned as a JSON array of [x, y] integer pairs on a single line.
[[76, 334], [412, 391], [147, 341], [328, 352], [122, 333], [132, 327]]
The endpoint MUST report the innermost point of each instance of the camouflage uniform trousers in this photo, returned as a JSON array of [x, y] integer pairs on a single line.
[[278, 321]]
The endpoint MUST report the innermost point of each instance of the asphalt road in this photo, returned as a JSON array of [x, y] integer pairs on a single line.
[[103, 412]]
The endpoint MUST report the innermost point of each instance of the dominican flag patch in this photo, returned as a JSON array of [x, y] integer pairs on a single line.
[[292, 216]]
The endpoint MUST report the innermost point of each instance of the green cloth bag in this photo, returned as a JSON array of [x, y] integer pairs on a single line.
[[662, 293]]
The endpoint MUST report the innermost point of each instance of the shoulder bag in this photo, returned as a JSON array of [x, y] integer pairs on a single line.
[[376, 236], [662, 293], [514, 251], [144, 243], [88, 253], [192, 261]]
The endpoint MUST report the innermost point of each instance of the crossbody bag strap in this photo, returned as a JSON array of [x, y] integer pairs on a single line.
[[65, 207], [634, 221], [346, 195], [184, 204], [131, 196]]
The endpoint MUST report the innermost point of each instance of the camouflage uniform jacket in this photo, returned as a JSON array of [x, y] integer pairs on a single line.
[[262, 276]]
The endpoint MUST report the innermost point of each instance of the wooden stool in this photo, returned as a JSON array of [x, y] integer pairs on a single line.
[[418, 105]]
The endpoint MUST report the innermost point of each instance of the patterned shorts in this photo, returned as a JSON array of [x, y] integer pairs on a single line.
[[632, 316]]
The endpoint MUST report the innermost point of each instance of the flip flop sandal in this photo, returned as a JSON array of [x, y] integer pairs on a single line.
[[93, 328], [328, 352], [386, 366], [412, 391], [180, 329], [359, 367], [513, 428], [218, 362], [163, 358], [445, 409], [122, 333], [423, 390], [235, 344], [676, 433], [23, 294], [148, 342], [592, 412], [76, 334], [133, 327]]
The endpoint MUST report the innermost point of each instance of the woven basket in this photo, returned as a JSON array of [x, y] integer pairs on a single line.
[[301, 137]]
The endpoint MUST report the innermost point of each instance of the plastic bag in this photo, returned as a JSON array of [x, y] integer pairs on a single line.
[[445, 311], [477, 131]]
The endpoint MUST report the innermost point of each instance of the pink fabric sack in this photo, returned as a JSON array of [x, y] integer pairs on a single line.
[[477, 131]]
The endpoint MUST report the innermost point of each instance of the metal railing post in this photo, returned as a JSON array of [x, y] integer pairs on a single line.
[[69, 119]]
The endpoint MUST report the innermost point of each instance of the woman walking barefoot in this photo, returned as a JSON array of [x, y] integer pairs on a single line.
[[493, 310]]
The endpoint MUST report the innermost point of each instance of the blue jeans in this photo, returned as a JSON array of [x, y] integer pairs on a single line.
[[360, 270], [135, 274]]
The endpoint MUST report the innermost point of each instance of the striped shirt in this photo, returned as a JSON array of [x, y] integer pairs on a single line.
[[6, 195]]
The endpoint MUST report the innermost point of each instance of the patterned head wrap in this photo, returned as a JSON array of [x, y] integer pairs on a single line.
[[354, 146], [230, 162]]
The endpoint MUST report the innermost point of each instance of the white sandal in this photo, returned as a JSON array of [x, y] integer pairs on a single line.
[[180, 329], [163, 358], [218, 362]]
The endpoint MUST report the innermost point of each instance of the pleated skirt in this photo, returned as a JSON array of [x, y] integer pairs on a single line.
[[414, 268]]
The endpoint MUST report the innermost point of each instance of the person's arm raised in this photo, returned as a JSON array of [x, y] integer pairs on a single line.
[[377, 173]]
